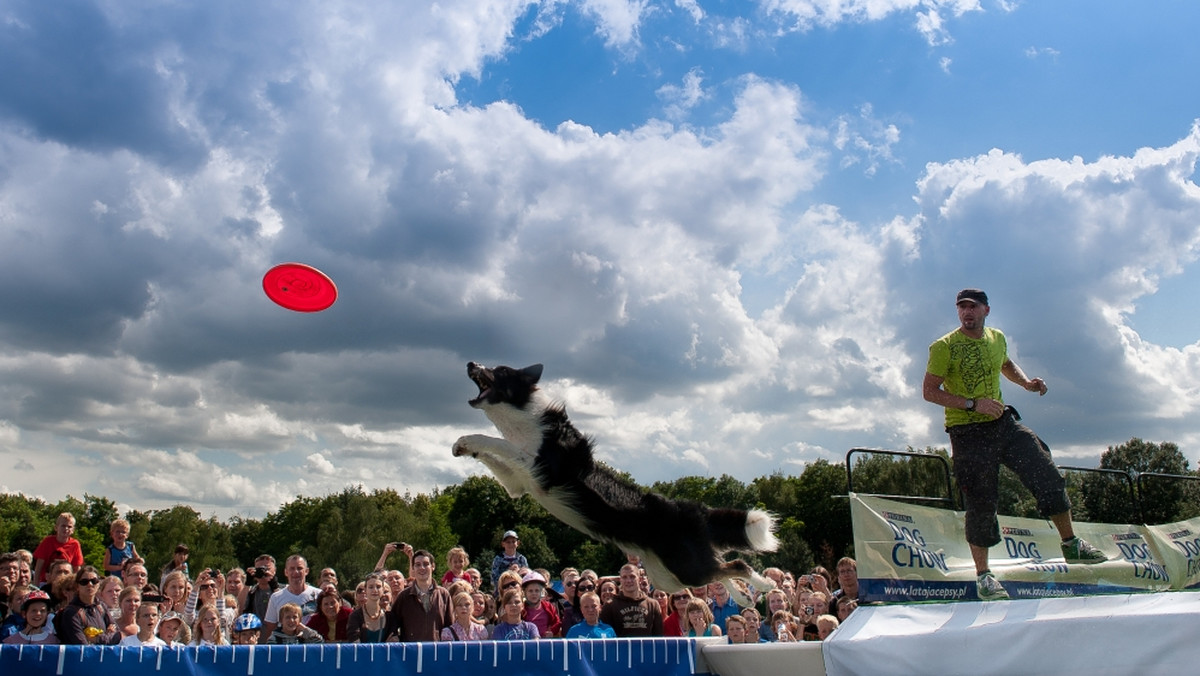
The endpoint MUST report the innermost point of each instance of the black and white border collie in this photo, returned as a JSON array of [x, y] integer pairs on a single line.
[[681, 543]]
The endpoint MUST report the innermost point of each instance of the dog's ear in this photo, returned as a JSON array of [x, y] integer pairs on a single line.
[[532, 373]]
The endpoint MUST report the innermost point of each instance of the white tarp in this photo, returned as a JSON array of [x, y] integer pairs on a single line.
[[1152, 633]]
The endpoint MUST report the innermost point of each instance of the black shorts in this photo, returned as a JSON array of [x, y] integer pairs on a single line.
[[979, 449]]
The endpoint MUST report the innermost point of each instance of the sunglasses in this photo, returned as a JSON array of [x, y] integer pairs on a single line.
[[510, 585], [208, 586], [586, 587], [90, 581]]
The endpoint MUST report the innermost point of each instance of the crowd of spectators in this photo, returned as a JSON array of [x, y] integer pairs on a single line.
[[51, 596]]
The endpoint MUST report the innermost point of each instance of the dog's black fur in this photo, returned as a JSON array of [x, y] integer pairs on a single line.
[[681, 543]]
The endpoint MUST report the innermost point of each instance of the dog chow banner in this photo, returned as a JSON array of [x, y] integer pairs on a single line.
[[909, 553], [1179, 545]]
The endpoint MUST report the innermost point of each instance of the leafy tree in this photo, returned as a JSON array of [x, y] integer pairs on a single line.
[[24, 521], [98, 514], [1161, 500], [168, 528], [793, 554], [598, 556], [481, 511]]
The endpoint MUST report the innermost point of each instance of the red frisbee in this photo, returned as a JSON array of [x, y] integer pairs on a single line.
[[299, 287]]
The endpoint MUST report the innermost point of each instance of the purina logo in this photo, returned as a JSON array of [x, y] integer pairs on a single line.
[[892, 516], [1009, 530], [1121, 537], [1180, 534]]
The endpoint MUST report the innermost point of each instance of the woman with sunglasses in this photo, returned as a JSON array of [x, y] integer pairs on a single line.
[[85, 619], [208, 591], [676, 622], [574, 614]]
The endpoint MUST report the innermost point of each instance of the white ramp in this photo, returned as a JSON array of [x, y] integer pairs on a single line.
[[1096, 635]]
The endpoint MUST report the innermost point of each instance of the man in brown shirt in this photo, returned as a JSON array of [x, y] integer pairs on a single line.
[[631, 612], [423, 608]]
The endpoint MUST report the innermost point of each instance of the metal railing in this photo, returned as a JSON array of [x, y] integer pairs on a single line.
[[948, 500]]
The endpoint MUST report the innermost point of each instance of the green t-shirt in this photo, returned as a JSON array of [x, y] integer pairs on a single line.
[[970, 368]]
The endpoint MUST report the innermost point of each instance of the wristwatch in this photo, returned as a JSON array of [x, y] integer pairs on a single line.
[[970, 404]]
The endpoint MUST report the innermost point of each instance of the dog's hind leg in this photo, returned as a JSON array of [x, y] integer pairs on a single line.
[[501, 457], [740, 570]]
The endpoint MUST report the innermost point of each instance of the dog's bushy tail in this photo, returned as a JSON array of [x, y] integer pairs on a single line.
[[735, 529], [760, 531]]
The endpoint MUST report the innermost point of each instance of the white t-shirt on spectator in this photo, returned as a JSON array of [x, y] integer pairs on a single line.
[[307, 600]]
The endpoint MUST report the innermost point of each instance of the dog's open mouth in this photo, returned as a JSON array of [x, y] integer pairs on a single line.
[[483, 379]]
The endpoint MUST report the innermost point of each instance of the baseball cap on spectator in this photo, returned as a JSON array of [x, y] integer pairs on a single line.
[[510, 534], [973, 295], [170, 616]]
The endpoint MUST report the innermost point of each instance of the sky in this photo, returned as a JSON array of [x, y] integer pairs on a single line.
[[728, 229]]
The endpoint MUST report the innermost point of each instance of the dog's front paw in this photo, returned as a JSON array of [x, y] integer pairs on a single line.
[[463, 447]]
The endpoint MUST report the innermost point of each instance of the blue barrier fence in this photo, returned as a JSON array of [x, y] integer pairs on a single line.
[[602, 657]]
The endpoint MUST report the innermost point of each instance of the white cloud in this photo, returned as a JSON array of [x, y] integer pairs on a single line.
[[930, 15], [319, 464], [866, 140], [699, 301]]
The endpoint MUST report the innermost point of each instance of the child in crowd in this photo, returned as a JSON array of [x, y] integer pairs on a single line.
[[291, 631], [207, 629], [825, 626], [246, 629], [178, 562], [456, 567], [753, 625], [147, 621], [700, 619], [121, 548], [590, 626], [782, 627], [172, 629], [14, 622], [735, 629], [845, 606], [463, 628], [37, 631], [511, 627], [538, 610], [58, 546]]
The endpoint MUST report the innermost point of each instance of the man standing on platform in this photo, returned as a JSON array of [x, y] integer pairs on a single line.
[[963, 376]]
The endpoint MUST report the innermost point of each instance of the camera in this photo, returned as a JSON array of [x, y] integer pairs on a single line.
[[808, 610], [152, 598], [256, 572]]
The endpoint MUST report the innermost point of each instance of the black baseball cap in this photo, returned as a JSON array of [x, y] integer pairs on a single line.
[[974, 295]]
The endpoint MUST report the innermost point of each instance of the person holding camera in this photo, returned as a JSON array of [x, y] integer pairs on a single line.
[[262, 577], [209, 591], [297, 591]]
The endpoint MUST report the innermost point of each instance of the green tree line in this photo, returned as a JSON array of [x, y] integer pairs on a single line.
[[347, 530]]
